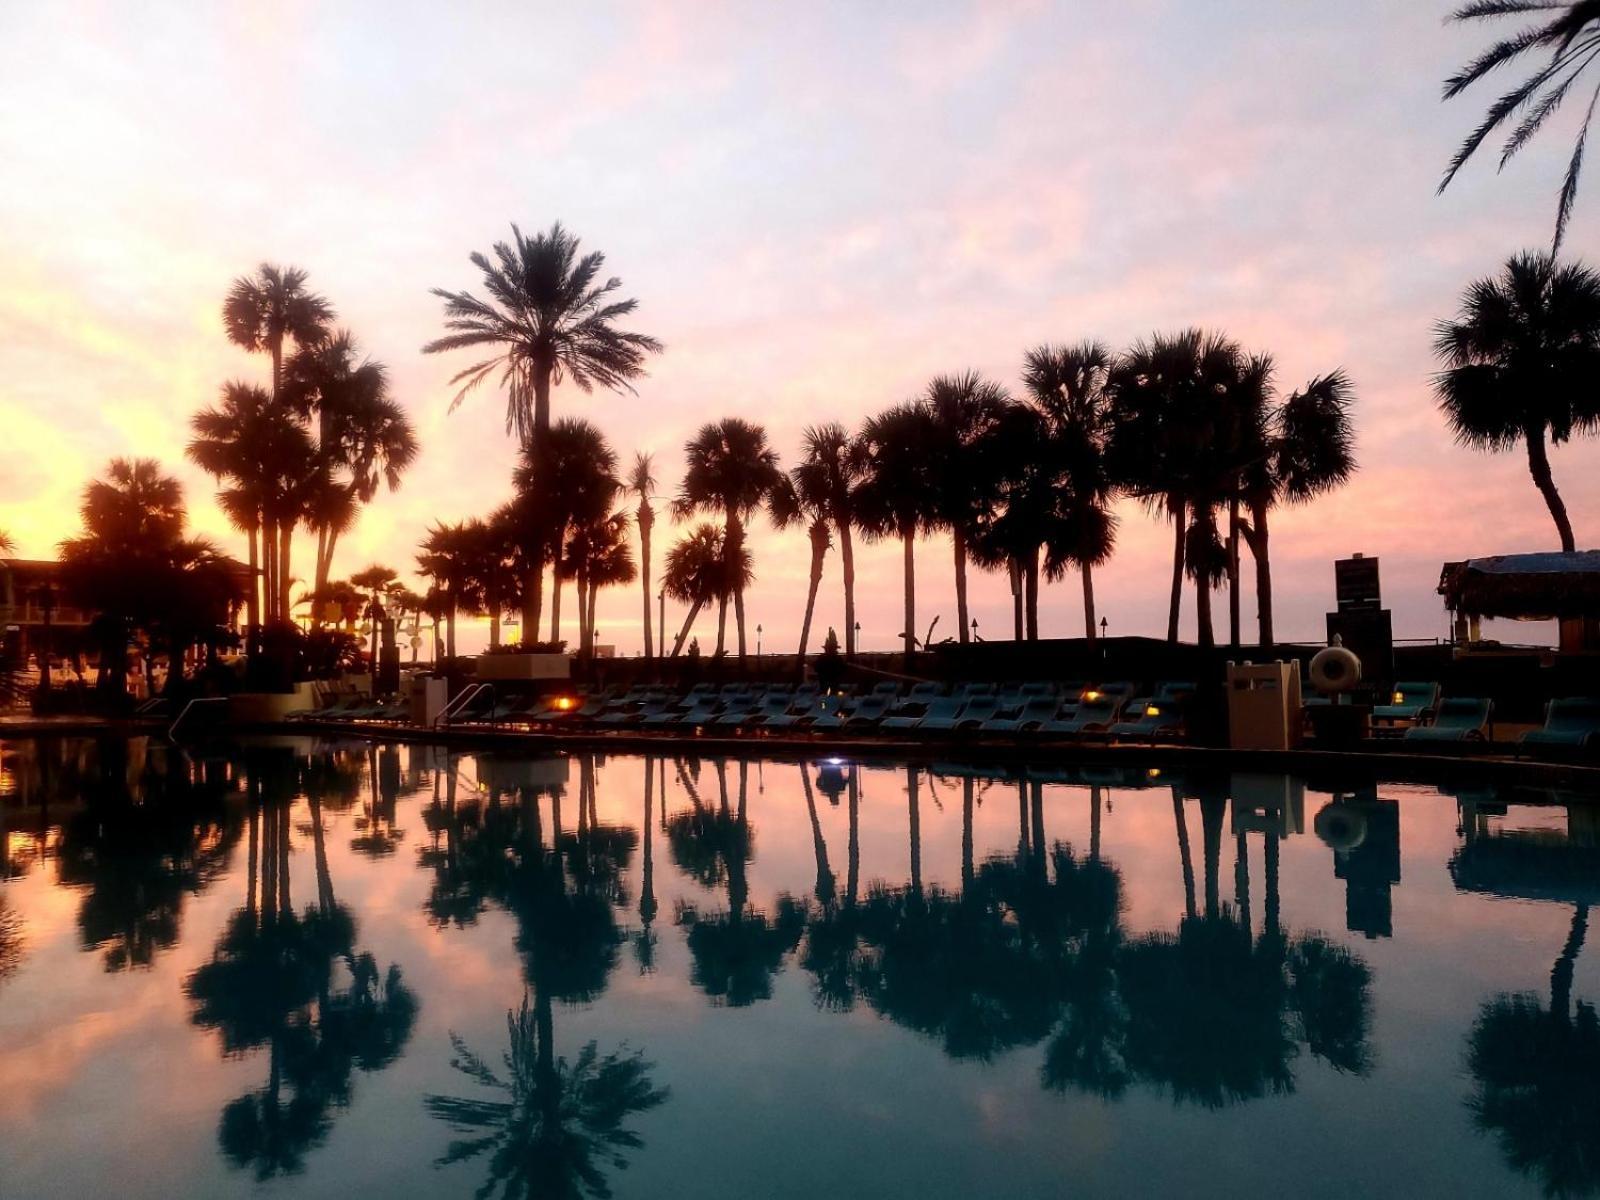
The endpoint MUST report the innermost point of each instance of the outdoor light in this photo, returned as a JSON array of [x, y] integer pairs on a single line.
[[1153, 773], [1152, 711], [1399, 698], [566, 703], [1091, 694]]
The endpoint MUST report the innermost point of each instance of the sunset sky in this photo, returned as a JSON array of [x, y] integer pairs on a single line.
[[817, 206]]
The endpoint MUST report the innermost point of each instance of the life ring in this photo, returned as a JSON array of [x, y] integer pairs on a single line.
[[1335, 669], [1341, 826]]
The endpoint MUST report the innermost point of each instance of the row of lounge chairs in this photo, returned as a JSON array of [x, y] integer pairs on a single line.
[[1072, 709], [1569, 723]]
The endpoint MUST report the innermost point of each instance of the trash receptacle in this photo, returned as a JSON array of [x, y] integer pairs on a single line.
[[1264, 705], [429, 694]]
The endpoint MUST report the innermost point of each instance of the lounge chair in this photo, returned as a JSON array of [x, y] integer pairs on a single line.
[[1095, 715], [1035, 711], [1174, 692], [1573, 722], [1150, 719], [981, 709], [831, 712], [870, 710], [1411, 702], [925, 691], [1457, 719], [910, 715], [947, 713]]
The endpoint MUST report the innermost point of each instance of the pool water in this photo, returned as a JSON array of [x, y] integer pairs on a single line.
[[329, 968]]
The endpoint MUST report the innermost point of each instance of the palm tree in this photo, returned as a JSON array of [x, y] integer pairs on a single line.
[[548, 319], [895, 495], [570, 481], [830, 467], [1183, 409], [964, 409], [7, 546], [1069, 385], [730, 471], [495, 570], [1308, 449], [641, 483], [1025, 488], [597, 556], [448, 558], [698, 572], [1521, 362], [1570, 33], [364, 439], [264, 309], [802, 498]]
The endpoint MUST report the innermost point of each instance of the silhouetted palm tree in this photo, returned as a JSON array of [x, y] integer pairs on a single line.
[[1026, 488], [550, 317], [1183, 410], [598, 556], [964, 409], [1521, 363], [699, 572], [731, 471], [265, 309], [801, 498], [1570, 33], [830, 467], [363, 438], [448, 557], [641, 484], [1307, 449], [895, 495], [570, 482]]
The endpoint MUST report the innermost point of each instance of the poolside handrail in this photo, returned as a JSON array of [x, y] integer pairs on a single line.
[[198, 701]]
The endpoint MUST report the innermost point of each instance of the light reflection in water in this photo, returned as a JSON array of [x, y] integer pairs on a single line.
[[428, 972]]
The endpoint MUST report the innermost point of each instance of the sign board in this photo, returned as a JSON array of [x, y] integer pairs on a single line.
[[1355, 582]]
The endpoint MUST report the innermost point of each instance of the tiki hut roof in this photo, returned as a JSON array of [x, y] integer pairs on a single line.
[[1524, 587]]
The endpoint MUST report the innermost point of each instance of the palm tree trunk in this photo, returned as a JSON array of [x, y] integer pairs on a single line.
[[1539, 468], [958, 543], [1096, 802], [645, 521], [269, 573], [1256, 537], [1241, 879], [1030, 594], [908, 539], [688, 623], [533, 598], [1014, 575], [1212, 811], [722, 626], [966, 833], [494, 627], [1202, 602], [252, 598], [589, 621], [1270, 860], [1233, 571], [847, 558], [1088, 604], [818, 845], [285, 543], [1179, 513], [853, 848], [817, 551], [555, 603], [450, 629], [735, 543], [914, 823]]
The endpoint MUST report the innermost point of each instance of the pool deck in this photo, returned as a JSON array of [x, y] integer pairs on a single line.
[[1390, 761]]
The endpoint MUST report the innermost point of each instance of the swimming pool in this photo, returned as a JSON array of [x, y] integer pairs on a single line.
[[306, 967]]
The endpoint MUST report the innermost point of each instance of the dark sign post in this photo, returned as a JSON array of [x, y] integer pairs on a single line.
[[1361, 621]]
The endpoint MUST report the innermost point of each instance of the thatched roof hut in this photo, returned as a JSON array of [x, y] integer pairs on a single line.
[[1525, 587]]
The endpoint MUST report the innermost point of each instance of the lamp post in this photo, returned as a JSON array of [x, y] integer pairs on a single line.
[[661, 623], [758, 641], [975, 636], [858, 636]]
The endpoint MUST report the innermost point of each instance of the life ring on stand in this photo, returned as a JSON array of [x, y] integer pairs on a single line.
[[1335, 669]]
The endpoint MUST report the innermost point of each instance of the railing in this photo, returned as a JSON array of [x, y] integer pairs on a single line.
[[463, 698], [200, 704]]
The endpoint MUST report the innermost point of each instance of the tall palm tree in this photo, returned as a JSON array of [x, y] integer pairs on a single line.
[[264, 309], [495, 570], [698, 571], [1025, 486], [1569, 31], [641, 484], [1069, 385], [7, 546], [803, 497], [1521, 361], [895, 495], [597, 556], [1308, 450], [364, 439], [549, 317], [570, 481], [729, 470], [964, 409], [830, 467]]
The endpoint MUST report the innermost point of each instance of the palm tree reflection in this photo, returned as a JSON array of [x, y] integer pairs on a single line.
[[293, 982], [560, 1125], [735, 954], [1534, 1067]]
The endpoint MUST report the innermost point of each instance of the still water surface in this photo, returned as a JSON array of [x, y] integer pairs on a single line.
[[320, 968]]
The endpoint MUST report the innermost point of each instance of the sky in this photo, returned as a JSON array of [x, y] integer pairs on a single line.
[[818, 207]]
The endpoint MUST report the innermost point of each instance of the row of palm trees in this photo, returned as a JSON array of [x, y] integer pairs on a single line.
[[309, 450]]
